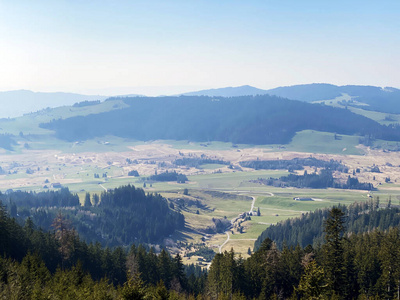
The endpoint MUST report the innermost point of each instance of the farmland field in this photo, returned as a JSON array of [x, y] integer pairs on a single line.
[[215, 191]]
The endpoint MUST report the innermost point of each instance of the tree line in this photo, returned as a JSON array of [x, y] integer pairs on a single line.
[[196, 162], [322, 180], [294, 164], [308, 229], [169, 176]]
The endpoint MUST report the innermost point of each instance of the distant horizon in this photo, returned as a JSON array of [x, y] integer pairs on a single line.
[[168, 90]]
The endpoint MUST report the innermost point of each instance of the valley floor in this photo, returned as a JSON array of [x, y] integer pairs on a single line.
[[215, 191]]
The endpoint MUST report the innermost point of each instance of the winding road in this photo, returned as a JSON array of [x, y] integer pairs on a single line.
[[223, 244], [252, 204], [227, 232]]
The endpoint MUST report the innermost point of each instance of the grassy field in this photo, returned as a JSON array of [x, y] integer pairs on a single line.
[[383, 118], [323, 142], [212, 166], [231, 181], [276, 204]]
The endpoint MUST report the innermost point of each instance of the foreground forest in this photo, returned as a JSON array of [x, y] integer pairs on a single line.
[[58, 265]]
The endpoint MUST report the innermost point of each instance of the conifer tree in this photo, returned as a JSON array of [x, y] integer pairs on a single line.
[[133, 288], [312, 283], [87, 200], [333, 261], [65, 235]]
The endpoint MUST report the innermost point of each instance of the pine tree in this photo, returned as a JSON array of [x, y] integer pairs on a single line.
[[65, 235], [87, 200], [390, 263], [333, 251], [214, 277], [178, 272], [312, 283], [4, 231], [96, 199], [165, 267], [133, 288]]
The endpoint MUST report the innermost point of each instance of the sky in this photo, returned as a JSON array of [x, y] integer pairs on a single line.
[[166, 47]]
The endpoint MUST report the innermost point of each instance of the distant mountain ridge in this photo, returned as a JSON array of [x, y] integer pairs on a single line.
[[19, 102], [307, 92], [385, 100], [244, 90]]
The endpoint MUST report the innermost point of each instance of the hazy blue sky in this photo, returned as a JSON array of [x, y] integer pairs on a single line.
[[109, 47]]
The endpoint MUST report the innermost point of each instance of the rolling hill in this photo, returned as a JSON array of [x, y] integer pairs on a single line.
[[386, 100], [245, 90], [245, 120], [17, 103]]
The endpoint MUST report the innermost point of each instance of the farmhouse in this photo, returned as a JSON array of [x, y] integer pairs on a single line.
[[56, 185], [303, 199]]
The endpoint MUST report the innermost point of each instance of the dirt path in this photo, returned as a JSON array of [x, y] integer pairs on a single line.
[[224, 243], [103, 187], [252, 204]]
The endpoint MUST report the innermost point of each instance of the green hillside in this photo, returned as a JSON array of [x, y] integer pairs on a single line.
[[255, 120]]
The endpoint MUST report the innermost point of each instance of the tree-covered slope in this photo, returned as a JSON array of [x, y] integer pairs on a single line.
[[58, 265], [307, 92], [121, 216], [248, 120], [308, 229]]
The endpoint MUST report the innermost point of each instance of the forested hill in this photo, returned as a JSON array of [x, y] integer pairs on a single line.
[[248, 120], [385, 100], [308, 229], [120, 216]]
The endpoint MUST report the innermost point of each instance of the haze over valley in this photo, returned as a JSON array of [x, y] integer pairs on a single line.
[[221, 147], [199, 150]]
